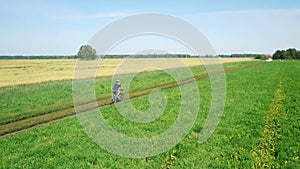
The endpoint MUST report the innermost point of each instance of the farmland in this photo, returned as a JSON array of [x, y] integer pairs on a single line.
[[20, 72], [259, 127]]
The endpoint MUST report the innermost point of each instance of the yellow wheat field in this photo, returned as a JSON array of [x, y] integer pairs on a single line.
[[18, 72]]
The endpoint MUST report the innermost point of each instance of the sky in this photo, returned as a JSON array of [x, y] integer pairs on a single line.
[[60, 27]]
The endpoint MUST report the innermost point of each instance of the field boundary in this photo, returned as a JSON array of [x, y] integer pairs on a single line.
[[45, 119], [56, 70]]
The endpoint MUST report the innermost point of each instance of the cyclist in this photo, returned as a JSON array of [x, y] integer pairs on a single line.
[[116, 90]]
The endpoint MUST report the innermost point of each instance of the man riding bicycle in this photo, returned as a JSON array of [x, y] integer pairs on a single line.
[[116, 91]]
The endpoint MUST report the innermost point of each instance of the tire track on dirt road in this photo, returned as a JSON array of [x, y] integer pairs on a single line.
[[46, 119]]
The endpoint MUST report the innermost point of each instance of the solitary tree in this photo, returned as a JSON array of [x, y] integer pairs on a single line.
[[86, 52]]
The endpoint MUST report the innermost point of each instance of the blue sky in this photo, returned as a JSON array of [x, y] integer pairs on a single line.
[[33, 27]]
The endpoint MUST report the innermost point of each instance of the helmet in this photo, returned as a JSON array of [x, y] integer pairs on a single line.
[[118, 81]]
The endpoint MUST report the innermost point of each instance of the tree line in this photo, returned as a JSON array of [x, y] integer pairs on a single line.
[[286, 54], [86, 52]]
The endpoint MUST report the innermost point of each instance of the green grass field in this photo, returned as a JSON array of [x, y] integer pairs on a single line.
[[25, 101], [260, 126]]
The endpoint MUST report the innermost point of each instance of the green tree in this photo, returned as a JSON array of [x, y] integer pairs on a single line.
[[87, 52], [298, 55], [291, 53], [279, 54]]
